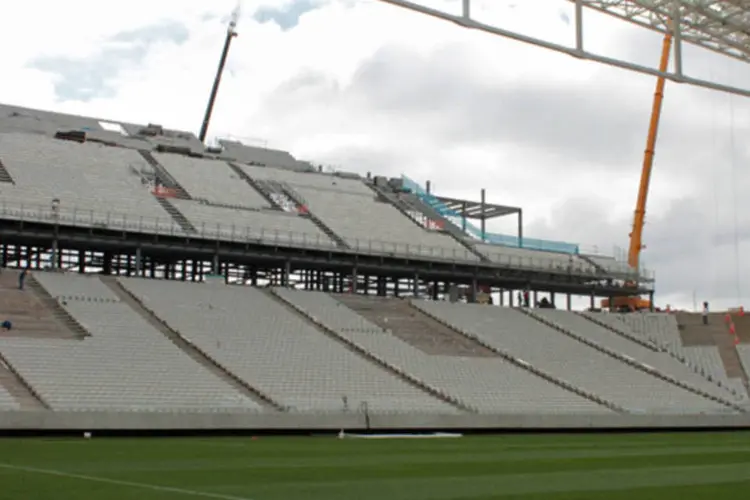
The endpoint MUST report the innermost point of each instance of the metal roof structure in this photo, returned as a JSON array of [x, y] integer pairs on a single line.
[[720, 26], [477, 210]]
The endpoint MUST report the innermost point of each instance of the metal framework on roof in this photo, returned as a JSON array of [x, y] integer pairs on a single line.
[[720, 26], [478, 210]]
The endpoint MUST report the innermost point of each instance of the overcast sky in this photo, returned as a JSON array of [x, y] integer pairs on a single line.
[[366, 87]]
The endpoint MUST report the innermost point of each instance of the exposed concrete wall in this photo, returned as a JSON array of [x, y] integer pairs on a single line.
[[92, 421]]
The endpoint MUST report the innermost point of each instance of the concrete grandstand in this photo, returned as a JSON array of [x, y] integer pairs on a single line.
[[238, 285]]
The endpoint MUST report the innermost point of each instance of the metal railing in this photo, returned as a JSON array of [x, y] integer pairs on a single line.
[[166, 226]]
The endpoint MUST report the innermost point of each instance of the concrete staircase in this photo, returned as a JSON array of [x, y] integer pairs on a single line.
[[17, 387], [629, 361], [382, 363], [301, 202], [742, 326], [188, 348], [176, 215], [34, 312], [694, 333], [257, 185], [164, 176], [414, 327], [270, 189], [409, 204], [5, 175]]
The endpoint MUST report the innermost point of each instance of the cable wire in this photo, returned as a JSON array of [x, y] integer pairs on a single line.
[[735, 210]]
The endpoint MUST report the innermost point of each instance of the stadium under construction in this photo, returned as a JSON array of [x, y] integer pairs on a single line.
[[266, 292], [62, 232]]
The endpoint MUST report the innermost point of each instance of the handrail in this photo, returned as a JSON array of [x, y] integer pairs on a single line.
[[73, 216]]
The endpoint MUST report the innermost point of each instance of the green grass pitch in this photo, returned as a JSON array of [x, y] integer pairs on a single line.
[[712, 466]]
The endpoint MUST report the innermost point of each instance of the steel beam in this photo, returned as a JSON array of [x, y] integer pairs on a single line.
[[636, 14]]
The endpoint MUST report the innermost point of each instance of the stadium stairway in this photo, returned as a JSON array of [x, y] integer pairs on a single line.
[[176, 215], [33, 312], [70, 327], [275, 193], [5, 175], [301, 202], [255, 184], [529, 367], [414, 326], [742, 325], [164, 176], [694, 333], [187, 347], [629, 361], [18, 388], [406, 377], [406, 203], [292, 195]]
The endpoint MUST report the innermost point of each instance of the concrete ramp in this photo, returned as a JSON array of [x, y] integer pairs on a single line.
[[414, 327], [694, 333], [33, 314]]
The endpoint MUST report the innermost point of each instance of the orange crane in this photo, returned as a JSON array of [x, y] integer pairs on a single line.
[[632, 303]]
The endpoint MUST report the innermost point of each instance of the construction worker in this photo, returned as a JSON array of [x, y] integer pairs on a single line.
[[22, 277], [705, 313]]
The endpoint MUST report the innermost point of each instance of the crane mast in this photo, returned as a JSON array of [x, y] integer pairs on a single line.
[[639, 217]]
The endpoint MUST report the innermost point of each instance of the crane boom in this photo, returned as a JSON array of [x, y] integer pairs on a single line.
[[636, 235], [639, 218]]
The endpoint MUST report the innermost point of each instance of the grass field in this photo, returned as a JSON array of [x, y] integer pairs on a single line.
[[612, 467]]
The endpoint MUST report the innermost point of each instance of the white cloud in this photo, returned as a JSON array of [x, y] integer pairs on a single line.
[[306, 89]]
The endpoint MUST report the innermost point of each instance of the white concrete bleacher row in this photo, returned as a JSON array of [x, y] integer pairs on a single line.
[[211, 180], [661, 361], [7, 402], [96, 186], [124, 365], [570, 360], [255, 155], [268, 226], [93, 183], [662, 330], [490, 385], [274, 349], [535, 259], [351, 210]]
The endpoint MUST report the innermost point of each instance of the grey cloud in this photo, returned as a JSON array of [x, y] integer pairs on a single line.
[[588, 122], [685, 247], [84, 79], [286, 17], [565, 120], [441, 105]]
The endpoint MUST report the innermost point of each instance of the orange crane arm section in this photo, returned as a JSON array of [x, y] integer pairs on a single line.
[[636, 235]]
